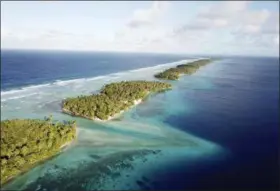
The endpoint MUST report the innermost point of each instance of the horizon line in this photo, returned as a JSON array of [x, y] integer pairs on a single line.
[[133, 52]]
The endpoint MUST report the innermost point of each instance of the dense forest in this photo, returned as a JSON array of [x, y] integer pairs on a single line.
[[25, 142], [112, 99], [189, 68]]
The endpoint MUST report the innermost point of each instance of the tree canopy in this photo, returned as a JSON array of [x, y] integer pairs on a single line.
[[189, 68], [25, 142], [112, 99]]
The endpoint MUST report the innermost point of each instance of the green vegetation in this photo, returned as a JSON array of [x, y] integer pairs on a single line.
[[25, 142], [190, 68], [112, 99]]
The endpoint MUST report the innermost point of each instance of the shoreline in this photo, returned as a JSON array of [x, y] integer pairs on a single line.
[[66, 145], [116, 115], [136, 102], [188, 68], [28, 168], [57, 136]]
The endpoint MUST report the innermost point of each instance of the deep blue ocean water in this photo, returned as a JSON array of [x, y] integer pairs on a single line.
[[23, 68], [241, 114], [240, 111]]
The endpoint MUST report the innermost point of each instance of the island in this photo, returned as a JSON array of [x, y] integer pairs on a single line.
[[189, 68], [25, 142], [113, 99]]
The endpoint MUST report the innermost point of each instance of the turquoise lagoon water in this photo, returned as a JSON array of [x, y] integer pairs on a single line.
[[125, 153]]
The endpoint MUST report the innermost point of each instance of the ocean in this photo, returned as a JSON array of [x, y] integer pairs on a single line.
[[216, 129]]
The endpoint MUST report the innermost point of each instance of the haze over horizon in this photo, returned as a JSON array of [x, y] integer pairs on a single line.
[[182, 27]]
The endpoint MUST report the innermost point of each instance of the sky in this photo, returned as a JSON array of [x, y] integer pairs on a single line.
[[183, 27]]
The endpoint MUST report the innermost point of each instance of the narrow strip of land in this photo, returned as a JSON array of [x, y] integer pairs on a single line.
[[189, 68], [113, 99]]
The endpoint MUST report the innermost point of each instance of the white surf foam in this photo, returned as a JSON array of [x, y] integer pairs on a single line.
[[96, 78], [65, 82], [37, 86], [18, 97], [123, 75]]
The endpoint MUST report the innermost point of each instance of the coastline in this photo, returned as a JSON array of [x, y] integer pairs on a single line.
[[33, 155], [136, 102], [66, 145], [182, 69], [28, 168]]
